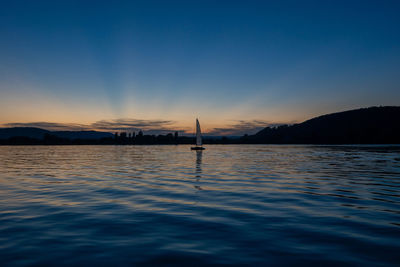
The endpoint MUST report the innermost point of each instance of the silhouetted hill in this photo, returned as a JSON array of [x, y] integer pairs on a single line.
[[87, 135], [30, 132], [375, 125], [37, 133]]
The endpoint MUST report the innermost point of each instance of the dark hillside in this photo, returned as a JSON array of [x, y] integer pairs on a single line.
[[87, 135], [375, 125], [30, 132]]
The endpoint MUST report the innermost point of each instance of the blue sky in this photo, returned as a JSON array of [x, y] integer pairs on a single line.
[[231, 63]]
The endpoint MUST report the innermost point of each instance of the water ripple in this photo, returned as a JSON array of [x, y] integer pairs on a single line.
[[167, 205]]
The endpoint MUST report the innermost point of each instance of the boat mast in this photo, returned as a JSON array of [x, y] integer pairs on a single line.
[[198, 134]]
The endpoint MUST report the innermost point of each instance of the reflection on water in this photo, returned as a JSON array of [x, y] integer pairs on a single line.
[[256, 204], [199, 155]]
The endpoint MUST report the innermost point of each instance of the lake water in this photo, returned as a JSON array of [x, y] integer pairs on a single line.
[[230, 204]]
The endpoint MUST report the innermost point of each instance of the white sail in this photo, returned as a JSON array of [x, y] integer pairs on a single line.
[[198, 134]]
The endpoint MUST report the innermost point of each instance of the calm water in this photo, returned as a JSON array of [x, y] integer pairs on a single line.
[[239, 204]]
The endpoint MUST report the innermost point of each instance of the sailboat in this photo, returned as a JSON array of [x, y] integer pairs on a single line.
[[199, 142]]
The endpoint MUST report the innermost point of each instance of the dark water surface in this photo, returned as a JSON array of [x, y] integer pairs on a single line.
[[230, 204]]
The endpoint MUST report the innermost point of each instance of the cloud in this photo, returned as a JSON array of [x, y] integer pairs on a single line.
[[237, 128], [134, 125], [118, 125], [241, 127]]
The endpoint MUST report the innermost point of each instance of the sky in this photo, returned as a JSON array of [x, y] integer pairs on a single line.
[[157, 65]]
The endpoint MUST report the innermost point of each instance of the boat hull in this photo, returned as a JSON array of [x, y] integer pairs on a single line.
[[197, 148]]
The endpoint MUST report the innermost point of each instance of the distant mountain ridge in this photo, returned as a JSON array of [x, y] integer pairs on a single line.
[[38, 133], [88, 135], [30, 132], [374, 125]]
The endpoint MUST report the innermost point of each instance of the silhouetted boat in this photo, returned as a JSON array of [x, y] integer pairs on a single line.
[[199, 142]]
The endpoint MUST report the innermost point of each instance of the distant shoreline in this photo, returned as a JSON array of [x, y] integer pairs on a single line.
[[205, 145], [373, 125]]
